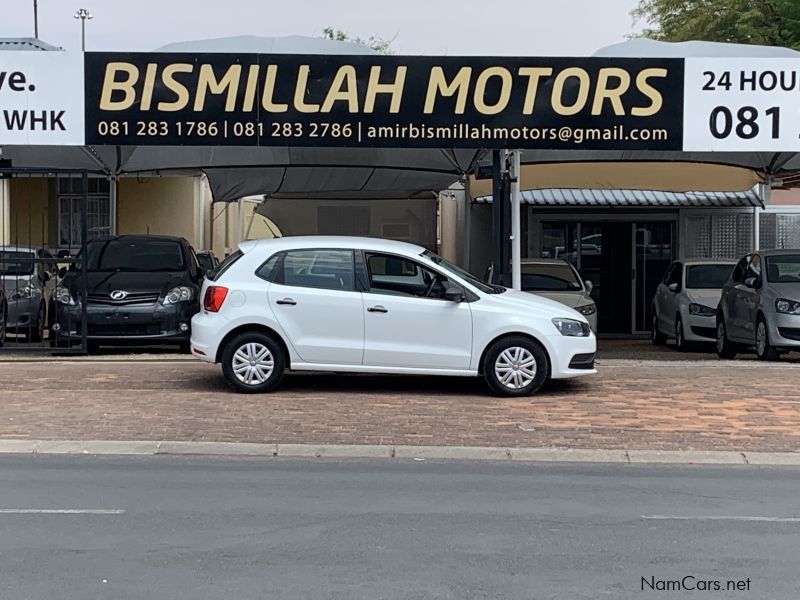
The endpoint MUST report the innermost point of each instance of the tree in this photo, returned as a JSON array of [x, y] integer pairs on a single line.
[[765, 22], [379, 44]]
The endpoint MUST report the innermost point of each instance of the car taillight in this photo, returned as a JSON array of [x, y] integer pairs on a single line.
[[215, 296]]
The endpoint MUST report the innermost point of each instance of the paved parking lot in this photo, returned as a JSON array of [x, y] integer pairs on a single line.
[[648, 404]]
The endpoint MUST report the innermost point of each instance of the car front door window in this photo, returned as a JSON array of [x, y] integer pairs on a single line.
[[389, 274]]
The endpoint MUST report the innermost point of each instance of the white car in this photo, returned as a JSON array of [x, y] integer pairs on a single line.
[[685, 302], [364, 305]]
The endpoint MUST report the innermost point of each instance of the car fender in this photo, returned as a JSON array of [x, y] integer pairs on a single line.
[[483, 338]]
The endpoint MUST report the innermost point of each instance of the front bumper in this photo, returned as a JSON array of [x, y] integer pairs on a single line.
[[784, 331], [572, 356], [152, 322], [23, 313], [699, 329]]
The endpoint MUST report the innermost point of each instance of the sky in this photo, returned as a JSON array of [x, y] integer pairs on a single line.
[[418, 27]]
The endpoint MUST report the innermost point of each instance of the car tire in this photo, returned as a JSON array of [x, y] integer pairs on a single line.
[[725, 348], [656, 337], [764, 349], [245, 366], [3, 327], [680, 342], [515, 366], [36, 332]]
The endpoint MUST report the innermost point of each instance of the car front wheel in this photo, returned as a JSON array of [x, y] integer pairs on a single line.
[[515, 366], [764, 349], [253, 362], [725, 348], [656, 337]]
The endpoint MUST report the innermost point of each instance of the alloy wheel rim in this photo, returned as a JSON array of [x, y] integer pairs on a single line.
[[761, 338], [720, 337], [253, 363], [653, 329], [515, 367], [679, 334]]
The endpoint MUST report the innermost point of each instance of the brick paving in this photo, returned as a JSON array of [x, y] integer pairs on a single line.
[[739, 405]]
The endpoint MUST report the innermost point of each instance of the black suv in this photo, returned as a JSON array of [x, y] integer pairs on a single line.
[[141, 288]]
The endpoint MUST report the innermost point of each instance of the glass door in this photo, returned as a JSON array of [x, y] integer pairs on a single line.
[[654, 250]]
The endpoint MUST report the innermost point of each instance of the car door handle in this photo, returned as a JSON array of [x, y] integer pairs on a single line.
[[289, 301], [378, 309]]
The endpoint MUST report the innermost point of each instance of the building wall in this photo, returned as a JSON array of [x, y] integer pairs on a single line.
[[29, 218], [158, 205]]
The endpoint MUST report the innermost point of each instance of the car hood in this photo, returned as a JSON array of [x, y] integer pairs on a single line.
[[571, 299], [529, 301], [790, 291], [708, 298], [105, 282]]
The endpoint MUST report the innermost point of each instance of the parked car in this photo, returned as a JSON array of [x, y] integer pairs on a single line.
[[760, 305], [364, 305], [29, 289], [685, 303], [208, 261], [558, 280], [3, 314], [140, 289]]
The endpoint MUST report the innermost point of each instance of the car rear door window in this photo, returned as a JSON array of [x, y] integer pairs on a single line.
[[323, 269]]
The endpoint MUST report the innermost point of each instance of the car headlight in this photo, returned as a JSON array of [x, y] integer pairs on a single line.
[[701, 310], [22, 293], [178, 294], [791, 307], [587, 309], [571, 327], [63, 296]]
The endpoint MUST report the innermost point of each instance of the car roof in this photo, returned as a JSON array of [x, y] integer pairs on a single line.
[[782, 252], [543, 261], [332, 242], [10, 248], [708, 261], [137, 237]]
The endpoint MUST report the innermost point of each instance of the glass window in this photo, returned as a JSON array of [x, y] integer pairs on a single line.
[[324, 269], [783, 269], [389, 274], [267, 271], [465, 275], [559, 241], [549, 277], [738, 272], [135, 255], [225, 265], [707, 277], [16, 263], [675, 275], [754, 267], [98, 215]]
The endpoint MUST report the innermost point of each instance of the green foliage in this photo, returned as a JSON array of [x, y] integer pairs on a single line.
[[379, 44], [765, 22]]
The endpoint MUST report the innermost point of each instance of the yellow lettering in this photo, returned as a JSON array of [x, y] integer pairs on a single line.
[[269, 90], [374, 87], [533, 74], [344, 88], [656, 100], [250, 89], [505, 90], [111, 85], [614, 95], [208, 82], [558, 91], [180, 91], [300, 91], [149, 84], [438, 84]]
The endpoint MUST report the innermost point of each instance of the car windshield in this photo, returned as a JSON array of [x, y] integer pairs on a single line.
[[783, 269], [555, 277], [707, 277], [135, 255], [16, 263], [465, 275]]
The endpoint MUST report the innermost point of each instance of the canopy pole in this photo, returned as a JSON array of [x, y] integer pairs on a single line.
[[501, 221], [765, 193], [516, 255]]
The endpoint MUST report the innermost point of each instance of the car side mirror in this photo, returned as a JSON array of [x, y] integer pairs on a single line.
[[672, 287], [589, 285], [452, 292], [753, 282]]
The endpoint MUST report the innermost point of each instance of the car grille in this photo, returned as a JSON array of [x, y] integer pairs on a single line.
[[582, 361], [131, 299], [707, 332], [122, 329]]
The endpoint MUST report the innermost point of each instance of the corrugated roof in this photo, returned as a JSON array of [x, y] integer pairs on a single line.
[[604, 198], [25, 44]]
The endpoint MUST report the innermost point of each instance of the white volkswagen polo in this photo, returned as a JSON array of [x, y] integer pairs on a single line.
[[365, 305]]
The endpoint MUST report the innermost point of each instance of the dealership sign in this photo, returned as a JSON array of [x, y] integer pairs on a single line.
[[61, 98]]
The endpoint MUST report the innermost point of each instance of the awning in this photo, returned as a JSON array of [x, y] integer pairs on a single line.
[[613, 198]]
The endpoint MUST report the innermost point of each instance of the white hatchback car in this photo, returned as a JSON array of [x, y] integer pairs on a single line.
[[364, 305]]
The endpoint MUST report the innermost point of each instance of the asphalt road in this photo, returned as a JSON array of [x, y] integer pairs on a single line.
[[198, 528]]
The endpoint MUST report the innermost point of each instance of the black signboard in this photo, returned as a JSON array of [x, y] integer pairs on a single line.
[[383, 101]]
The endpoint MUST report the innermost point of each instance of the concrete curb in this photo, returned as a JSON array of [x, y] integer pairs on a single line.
[[576, 455]]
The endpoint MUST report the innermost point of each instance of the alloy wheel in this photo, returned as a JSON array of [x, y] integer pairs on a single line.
[[515, 367], [761, 338], [720, 337], [253, 363]]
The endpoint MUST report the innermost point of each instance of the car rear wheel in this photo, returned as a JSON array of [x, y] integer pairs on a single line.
[[725, 349], [3, 317], [253, 362], [515, 366], [764, 349], [36, 331], [656, 337]]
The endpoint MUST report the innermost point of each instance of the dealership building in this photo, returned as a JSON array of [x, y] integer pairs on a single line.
[[620, 239]]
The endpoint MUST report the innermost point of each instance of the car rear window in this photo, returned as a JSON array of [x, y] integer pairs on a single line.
[[224, 265], [16, 263], [708, 277], [135, 255], [549, 278]]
